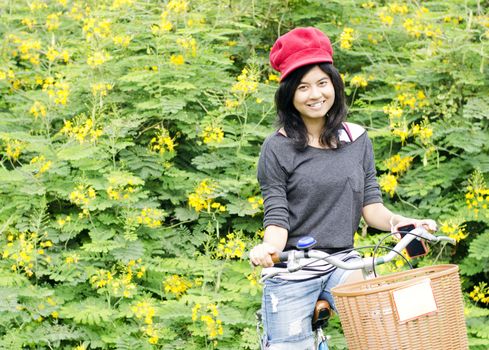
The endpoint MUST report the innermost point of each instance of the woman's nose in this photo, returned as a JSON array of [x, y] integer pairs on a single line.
[[315, 92]]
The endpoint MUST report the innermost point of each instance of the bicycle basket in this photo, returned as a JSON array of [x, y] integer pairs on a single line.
[[371, 317]]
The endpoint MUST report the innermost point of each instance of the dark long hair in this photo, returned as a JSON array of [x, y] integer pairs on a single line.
[[290, 119]]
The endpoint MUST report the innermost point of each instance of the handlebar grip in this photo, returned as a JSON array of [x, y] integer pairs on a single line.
[[280, 257]]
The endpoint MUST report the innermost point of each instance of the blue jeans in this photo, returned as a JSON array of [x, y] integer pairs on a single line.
[[288, 307]]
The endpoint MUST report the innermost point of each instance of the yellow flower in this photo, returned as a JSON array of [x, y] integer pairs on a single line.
[[394, 112], [71, 259], [256, 202], [122, 40], [388, 184], [177, 6], [231, 104], [13, 149], [372, 39], [210, 319], [164, 26], [98, 58], [202, 196], [453, 230], [176, 285], [29, 22], [82, 130], [58, 91], [101, 89], [162, 142], [37, 5], [52, 54], [177, 60], [424, 131], [188, 44], [52, 21], [396, 8], [42, 164], [397, 164], [385, 18], [247, 82], [116, 4], [212, 134], [368, 5], [96, 29], [480, 293], [144, 310], [82, 195], [273, 77], [27, 50], [38, 109], [477, 196], [150, 217], [359, 81], [232, 247], [347, 38]]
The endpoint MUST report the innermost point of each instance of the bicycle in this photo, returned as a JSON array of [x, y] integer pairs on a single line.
[[366, 265]]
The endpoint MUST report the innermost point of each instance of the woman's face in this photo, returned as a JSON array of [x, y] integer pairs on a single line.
[[315, 95]]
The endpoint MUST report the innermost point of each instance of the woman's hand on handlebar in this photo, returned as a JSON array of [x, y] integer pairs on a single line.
[[428, 224], [260, 255]]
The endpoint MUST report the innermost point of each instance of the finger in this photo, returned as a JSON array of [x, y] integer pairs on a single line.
[[430, 225]]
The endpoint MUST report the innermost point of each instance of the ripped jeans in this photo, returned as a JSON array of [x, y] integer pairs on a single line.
[[288, 307]]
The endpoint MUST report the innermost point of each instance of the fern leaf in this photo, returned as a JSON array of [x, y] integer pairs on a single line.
[[129, 251], [130, 343], [8, 300], [91, 311], [8, 279], [212, 161], [139, 160], [76, 152], [471, 266], [172, 309], [479, 247], [478, 327], [101, 246]]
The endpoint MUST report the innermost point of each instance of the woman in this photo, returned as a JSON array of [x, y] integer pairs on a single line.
[[317, 176]]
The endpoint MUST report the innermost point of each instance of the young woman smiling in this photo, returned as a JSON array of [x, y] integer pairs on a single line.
[[317, 176]]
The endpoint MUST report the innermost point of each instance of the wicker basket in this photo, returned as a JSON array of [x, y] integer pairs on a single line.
[[370, 319]]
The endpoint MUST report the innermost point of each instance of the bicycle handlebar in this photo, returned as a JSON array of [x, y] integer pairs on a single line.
[[292, 257]]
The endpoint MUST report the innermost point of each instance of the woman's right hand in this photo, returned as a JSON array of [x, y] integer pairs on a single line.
[[260, 255]]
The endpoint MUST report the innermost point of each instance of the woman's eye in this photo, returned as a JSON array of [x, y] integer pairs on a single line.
[[302, 87], [323, 83]]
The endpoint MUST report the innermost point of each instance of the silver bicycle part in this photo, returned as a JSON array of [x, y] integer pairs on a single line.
[[294, 256]]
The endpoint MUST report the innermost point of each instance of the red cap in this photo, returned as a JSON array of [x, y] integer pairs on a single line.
[[300, 47]]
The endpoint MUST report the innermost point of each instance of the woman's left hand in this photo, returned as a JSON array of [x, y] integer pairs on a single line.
[[428, 224]]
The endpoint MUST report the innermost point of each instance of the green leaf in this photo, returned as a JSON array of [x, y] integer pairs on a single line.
[[129, 251], [186, 214], [76, 152], [479, 247], [172, 310], [477, 107], [91, 311]]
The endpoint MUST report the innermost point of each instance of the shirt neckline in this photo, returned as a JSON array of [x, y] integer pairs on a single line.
[[343, 145]]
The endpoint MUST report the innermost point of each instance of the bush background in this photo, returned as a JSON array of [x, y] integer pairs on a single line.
[[129, 137]]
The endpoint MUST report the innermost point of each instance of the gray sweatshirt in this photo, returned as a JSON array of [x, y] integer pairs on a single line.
[[317, 192]]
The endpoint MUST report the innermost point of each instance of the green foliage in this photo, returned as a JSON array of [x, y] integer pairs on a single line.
[[129, 137]]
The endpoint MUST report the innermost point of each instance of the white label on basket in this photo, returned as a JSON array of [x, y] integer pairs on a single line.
[[414, 301]]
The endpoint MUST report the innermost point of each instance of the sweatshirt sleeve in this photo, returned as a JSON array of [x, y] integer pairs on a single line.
[[272, 177], [372, 192]]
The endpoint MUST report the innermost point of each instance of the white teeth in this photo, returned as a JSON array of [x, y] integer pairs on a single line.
[[317, 104]]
